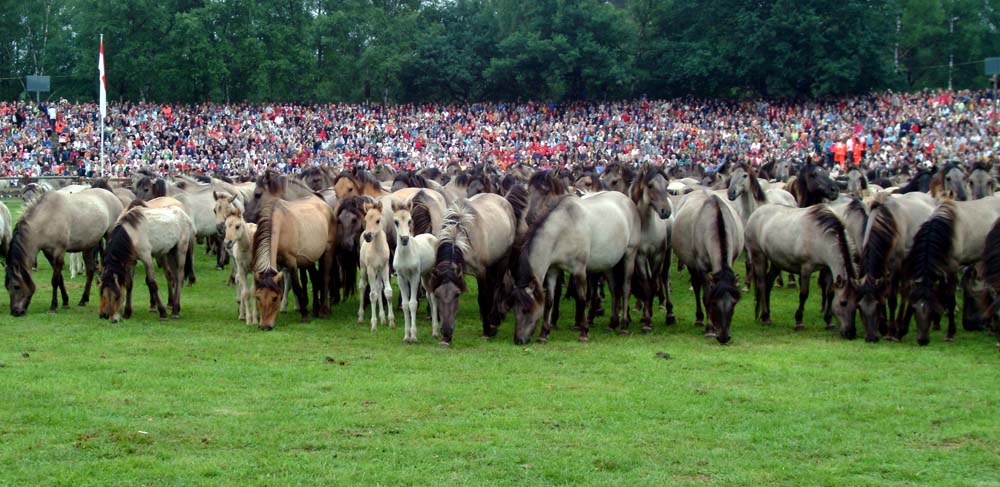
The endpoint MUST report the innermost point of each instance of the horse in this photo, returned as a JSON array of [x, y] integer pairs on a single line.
[[413, 262], [275, 184], [292, 235], [596, 234], [953, 236], [358, 183], [199, 200], [239, 242], [375, 260], [813, 185], [412, 179], [893, 221], [144, 234], [350, 221], [476, 239], [801, 240], [857, 182], [950, 183], [588, 179], [981, 181], [56, 223], [920, 182], [317, 178], [991, 271], [6, 223], [708, 237], [746, 193], [652, 262], [617, 176], [467, 184]]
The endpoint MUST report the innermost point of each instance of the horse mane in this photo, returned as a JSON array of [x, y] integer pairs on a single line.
[[882, 236], [430, 172], [120, 251], [353, 204], [160, 187], [411, 179], [18, 257], [138, 202], [224, 178], [547, 183], [517, 196], [827, 221], [646, 174], [272, 182], [854, 205], [421, 214], [363, 179], [453, 244], [720, 228], [262, 241], [932, 245], [915, 184], [508, 182], [756, 190], [100, 184], [346, 175], [625, 171]]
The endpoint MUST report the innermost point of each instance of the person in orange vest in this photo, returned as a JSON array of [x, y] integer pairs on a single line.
[[859, 146], [840, 153]]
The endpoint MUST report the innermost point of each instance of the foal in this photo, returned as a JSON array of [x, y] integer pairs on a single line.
[[375, 266], [239, 243], [413, 262]]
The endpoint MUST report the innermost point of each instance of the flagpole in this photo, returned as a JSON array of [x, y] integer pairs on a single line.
[[103, 173]]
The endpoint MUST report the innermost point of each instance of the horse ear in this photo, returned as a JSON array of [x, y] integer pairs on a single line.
[[378, 205]]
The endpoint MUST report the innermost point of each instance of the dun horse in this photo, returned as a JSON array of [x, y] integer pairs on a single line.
[[375, 260], [145, 234], [56, 223], [413, 262]]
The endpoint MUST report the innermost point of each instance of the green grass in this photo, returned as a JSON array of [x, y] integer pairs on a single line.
[[207, 400]]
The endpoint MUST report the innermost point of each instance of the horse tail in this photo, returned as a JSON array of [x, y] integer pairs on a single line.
[[932, 246], [421, 214], [991, 263]]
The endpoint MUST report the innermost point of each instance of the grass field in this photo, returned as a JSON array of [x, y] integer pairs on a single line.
[[207, 400]]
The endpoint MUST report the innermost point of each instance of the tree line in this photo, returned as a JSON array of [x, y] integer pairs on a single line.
[[492, 50]]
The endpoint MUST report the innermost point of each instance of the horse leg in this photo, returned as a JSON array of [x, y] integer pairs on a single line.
[[697, 281], [129, 279], [414, 304], [90, 264], [178, 263], [404, 295], [791, 280], [825, 282], [948, 300], [154, 290], [287, 285], [592, 300], [485, 300], [972, 317], [552, 293], [667, 288], [432, 302], [301, 295], [56, 274], [316, 289], [387, 292], [903, 326], [373, 297], [554, 304], [362, 278], [804, 278], [749, 271], [581, 305]]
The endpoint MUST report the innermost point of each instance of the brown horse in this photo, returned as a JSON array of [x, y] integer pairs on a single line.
[[56, 223], [292, 235], [358, 183]]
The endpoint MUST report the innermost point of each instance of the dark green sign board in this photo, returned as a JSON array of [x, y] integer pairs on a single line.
[[992, 66]]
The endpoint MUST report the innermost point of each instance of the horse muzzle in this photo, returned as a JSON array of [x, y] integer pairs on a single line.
[[16, 312], [404, 240], [367, 237]]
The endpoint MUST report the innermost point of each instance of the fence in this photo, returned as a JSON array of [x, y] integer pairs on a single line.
[[11, 187]]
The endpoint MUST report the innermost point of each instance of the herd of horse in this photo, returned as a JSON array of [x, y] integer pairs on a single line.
[[892, 248]]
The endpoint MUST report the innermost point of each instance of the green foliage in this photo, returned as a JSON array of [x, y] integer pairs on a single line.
[[469, 50]]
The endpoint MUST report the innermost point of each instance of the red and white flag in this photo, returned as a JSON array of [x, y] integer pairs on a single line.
[[104, 93]]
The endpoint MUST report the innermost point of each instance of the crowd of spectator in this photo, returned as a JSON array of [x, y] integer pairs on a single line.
[[879, 130]]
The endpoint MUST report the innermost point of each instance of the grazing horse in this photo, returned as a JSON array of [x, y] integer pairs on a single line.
[[652, 261], [56, 223], [892, 223], [239, 242], [599, 233], [413, 262], [801, 240], [476, 239], [292, 235], [953, 236], [950, 183], [991, 272], [144, 234], [375, 260], [708, 237], [981, 181], [813, 186]]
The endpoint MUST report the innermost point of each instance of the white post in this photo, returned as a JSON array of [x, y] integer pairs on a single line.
[[102, 171]]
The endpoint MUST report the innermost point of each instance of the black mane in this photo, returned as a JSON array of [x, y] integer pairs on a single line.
[[421, 214], [927, 262], [828, 222]]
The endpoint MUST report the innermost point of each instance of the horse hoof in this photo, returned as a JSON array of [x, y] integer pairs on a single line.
[[800, 327], [436, 336], [624, 332], [949, 339], [409, 340], [830, 327], [711, 334], [891, 338], [443, 344], [584, 340], [175, 317], [82, 304], [671, 320], [699, 324], [766, 322], [163, 319], [646, 330]]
